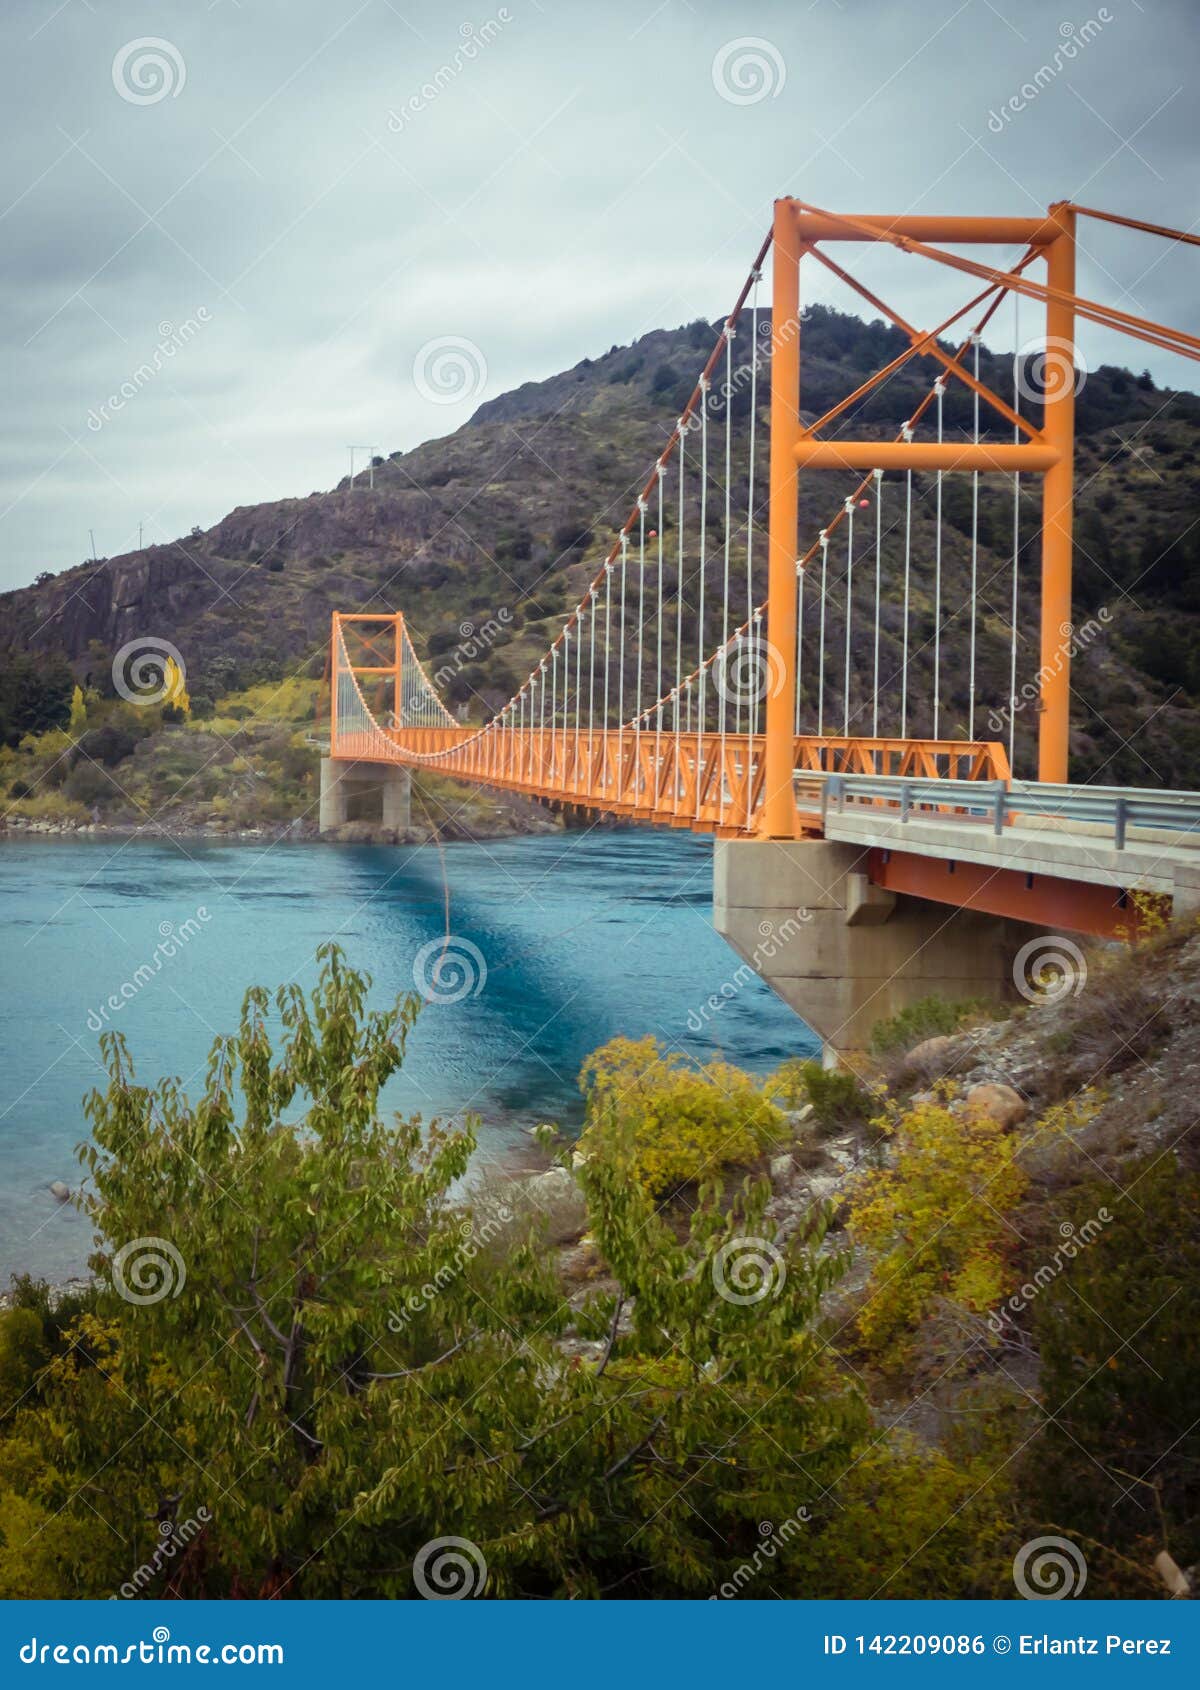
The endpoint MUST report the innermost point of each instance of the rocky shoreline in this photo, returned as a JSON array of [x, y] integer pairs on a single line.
[[505, 824]]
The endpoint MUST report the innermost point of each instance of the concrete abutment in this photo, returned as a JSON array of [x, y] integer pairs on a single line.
[[843, 952], [364, 791]]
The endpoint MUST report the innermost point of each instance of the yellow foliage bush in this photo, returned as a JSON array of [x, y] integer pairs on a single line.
[[673, 1119], [290, 700], [935, 1221]]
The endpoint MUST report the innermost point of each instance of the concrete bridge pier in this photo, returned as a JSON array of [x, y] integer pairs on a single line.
[[364, 792], [843, 952]]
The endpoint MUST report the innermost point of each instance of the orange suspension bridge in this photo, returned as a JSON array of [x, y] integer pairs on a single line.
[[719, 675]]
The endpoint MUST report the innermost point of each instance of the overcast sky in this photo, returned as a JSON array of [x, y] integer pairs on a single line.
[[280, 208]]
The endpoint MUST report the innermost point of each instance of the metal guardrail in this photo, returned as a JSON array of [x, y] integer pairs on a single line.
[[1117, 807]]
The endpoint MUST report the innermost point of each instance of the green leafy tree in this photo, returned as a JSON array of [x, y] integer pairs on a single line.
[[295, 1320]]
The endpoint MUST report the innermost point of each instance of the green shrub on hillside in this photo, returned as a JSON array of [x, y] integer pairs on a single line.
[[836, 1096], [1115, 1460], [926, 1019]]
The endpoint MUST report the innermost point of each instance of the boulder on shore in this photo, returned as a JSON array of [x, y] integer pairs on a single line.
[[998, 1102]]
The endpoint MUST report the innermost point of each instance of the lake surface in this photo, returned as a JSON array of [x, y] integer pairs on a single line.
[[560, 943]]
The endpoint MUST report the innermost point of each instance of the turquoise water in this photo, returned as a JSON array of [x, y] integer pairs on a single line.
[[560, 943]]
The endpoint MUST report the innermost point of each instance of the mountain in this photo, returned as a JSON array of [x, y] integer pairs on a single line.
[[501, 524]]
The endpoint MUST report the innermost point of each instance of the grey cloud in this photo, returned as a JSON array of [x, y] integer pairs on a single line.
[[572, 182]]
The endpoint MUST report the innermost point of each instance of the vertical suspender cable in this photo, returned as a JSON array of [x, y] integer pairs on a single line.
[[562, 766], [939, 387], [661, 476], [800, 572], [750, 517], [703, 674], [608, 569], [553, 710], [527, 757], [821, 647], [878, 572], [974, 555], [621, 670], [578, 694], [907, 433], [849, 509], [542, 728], [592, 692], [641, 622], [1016, 535], [730, 331], [679, 593], [754, 669]]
